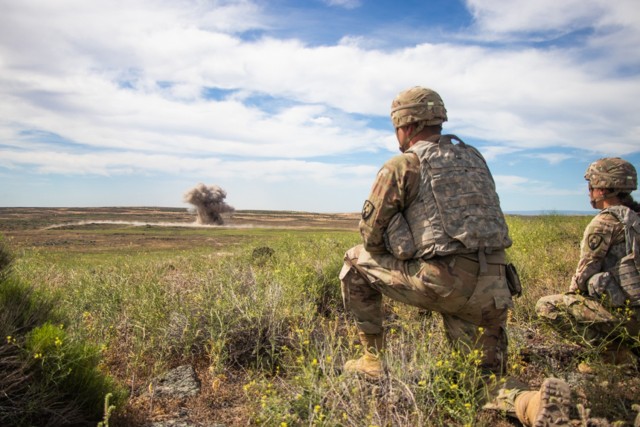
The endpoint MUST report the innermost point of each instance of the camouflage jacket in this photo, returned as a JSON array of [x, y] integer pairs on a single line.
[[395, 187], [603, 245], [437, 198]]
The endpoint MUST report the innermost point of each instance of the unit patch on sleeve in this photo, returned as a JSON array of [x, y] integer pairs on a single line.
[[367, 209], [595, 240]]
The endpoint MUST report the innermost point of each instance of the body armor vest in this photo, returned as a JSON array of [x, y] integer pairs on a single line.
[[457, 209], [627, 270]]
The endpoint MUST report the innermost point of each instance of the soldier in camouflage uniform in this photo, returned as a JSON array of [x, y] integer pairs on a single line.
[[603, 302], [434, 237]]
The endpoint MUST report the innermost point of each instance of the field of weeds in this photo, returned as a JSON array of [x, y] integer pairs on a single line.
[[257, 313]]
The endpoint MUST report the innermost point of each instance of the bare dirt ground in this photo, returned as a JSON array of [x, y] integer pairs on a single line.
[[83, 229]]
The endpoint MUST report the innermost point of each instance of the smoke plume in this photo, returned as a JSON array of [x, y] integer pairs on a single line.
[[208, 202]]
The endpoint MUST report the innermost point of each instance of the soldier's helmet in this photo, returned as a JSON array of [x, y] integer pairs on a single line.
[[416, 105], [614, 173]]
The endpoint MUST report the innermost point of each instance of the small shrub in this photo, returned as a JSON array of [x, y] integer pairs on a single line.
[[46, 379]]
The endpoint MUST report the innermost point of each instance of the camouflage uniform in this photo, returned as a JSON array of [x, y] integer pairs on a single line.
[[599, 306], [452, 285], [434, 237]]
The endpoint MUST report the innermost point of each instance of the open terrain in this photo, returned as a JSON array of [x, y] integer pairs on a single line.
[[25, 224], [254, 307], [113, 228]]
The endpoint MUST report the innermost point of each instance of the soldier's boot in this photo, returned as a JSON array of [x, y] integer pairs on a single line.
[[547, 407], [370, 363]]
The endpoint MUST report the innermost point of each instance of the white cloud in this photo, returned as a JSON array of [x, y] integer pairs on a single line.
[[521, 16], [610, 29], [128, 78], [347, 4], [510, 182], [127, 162], [526, 98], [553, 158]]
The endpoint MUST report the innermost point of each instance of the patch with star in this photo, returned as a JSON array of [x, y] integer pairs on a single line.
[[367, 209], [595, 240]]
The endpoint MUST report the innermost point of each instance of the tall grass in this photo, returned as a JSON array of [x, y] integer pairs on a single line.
[[47, 376], [545, 251], [270, 309]]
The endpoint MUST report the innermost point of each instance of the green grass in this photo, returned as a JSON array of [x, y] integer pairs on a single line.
[[42, 366], [275, 318]]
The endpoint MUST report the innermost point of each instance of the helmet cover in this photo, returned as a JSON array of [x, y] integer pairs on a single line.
[[418, 104], [612, 172]]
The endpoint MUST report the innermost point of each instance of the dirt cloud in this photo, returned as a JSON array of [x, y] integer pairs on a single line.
[[208, 202]]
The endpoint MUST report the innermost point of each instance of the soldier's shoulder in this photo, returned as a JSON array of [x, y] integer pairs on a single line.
[[605, 216], [604, 221], [403, 161]]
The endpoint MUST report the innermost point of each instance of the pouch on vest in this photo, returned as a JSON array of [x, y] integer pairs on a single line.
[[457, 209], [630, 278], [628, 268], [605, 285], [398, 238], [513, 280]]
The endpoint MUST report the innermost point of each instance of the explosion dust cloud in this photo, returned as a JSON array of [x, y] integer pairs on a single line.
[[208, 202]]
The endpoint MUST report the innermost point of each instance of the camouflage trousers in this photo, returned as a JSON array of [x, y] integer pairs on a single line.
[[586, 317], [473, 305]]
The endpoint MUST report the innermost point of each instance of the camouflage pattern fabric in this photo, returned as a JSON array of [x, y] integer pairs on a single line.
[[576, 314], [418, 104], [458, 209], [401, 186], [466, 285], [596, 304], [627, 270], [395, 188], [612, 172], [398, 238], [603, 245], [502, 395], [451, 285]]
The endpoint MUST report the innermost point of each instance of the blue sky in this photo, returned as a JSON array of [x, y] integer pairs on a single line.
[[285, 104]]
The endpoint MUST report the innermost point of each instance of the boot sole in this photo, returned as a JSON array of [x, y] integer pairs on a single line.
[[555, 402]]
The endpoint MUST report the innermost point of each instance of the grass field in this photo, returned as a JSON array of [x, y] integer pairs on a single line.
[[254, 307]]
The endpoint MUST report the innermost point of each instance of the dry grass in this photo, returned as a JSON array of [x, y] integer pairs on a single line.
[[255, 308]]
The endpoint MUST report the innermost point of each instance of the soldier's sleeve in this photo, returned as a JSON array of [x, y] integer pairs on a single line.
[[387, 197], [596, 242]]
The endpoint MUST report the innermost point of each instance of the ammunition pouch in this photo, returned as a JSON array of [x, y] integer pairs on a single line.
[[513, 280]]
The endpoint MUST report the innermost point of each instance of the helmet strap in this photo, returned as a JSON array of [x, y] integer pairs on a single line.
[[595, 200]]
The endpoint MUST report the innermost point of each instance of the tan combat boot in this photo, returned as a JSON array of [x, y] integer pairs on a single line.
[[370, 363], [547, 407]]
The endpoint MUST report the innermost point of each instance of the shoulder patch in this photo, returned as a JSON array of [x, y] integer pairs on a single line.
[[367, 209], [595, 240]]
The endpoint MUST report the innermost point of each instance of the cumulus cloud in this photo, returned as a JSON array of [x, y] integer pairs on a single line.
[[522, 16], [150, 84]]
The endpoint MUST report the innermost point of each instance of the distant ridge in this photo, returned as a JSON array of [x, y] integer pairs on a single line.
[[551, 212]]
